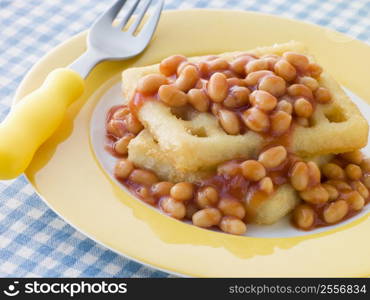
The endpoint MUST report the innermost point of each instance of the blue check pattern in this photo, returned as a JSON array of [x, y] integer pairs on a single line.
[[34, 241]]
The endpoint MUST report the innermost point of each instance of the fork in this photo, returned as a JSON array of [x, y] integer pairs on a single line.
[[37, 116]]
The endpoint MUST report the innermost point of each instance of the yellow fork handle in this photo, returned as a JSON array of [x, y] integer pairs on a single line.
[[34, 119]]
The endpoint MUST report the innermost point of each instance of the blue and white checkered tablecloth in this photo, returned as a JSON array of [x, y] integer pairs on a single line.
[[34, 241]]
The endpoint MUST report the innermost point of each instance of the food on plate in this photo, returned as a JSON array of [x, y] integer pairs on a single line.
[[243, 137]]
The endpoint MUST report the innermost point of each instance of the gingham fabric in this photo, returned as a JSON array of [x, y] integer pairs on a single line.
[[34, 241]]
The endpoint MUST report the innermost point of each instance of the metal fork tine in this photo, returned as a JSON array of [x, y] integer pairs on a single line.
[[138, 19], [128, 15], [107, 42], [151, 24], [109, 15]]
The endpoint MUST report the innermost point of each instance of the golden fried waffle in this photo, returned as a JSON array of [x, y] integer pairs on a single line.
[[189, 151]]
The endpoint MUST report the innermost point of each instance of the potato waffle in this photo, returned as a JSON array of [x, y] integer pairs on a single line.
[[243, 137], [189, 152]]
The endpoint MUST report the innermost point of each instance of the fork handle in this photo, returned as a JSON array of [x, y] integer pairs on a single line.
[[34, 119]]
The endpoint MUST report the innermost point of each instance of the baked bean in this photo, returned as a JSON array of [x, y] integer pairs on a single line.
[[217, 87], [280, 122], [238, 64], [354, 157], [354, 200], [228, 74], [169, 65], [304, 122], [191, 209], [322, 95], [299, 61], [303, 216], [116, 128], [238, 96], [187, 78], [229, 121], [123, 168], [172, 96], [366, 180], [339, 184], [201, 84], [218, 64], [315, 195], [246, 54], [266, 185], [253, 170], [254, 77], [231, 207], [206, 196], [233, 225], [256, 119], [365, 165], [335, 211], [303, 108], [121, 146], [198, 99], [314, 69], [215, 108], [183, 65], [230, 168], [236, 82], [121, 113], [275, 85], [310, 82], [361, 188], [299, 176], [333, 171], [203, 68], [353, 172], [144, 193], [207, 217], [332, 191], [150, 84], [273, 157], [162, 188], [314, 171], [173, 208], [263, 100], [143, 177], [285, 106], [271, 62], [182, 191], [337, 160], [256, 65], [133, 124], [285, 70], [300, 90]]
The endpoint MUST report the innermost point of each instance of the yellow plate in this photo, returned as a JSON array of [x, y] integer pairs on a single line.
[[66, 174]]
